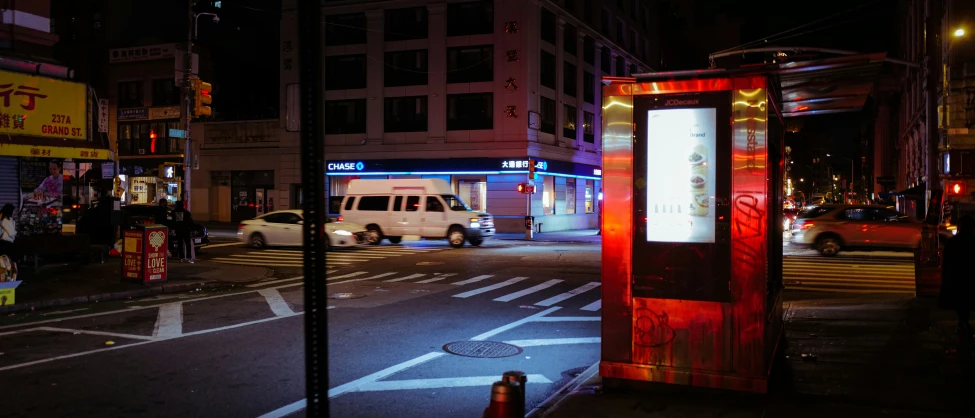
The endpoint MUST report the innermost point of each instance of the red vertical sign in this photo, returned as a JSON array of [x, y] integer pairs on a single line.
[[155, 254], [132, 254]]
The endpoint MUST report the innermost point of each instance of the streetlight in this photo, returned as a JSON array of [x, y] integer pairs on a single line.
[[959, 32]]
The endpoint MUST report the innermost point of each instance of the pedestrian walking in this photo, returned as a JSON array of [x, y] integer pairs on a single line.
[[8, 234], [958, 278], [183, 222]]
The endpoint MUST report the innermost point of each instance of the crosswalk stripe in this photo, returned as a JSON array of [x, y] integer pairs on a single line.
[[269, 264], [558, 298], [473, 279], [412, 276], [595, 306], [343, 276], [528, 291], [366, 278], [478, 291], [438, 278], [299, 255]]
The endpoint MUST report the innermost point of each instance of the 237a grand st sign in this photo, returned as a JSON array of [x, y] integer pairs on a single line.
[[40, 106]]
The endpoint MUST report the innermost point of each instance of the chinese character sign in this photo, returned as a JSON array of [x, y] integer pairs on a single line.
[[40, 106]]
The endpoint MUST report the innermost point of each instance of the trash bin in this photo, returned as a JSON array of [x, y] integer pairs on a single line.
[[144, 253]]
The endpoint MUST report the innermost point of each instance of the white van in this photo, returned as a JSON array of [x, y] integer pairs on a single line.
[[427, 208]]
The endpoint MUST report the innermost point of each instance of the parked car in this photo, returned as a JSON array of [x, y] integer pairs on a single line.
[[284, 227], [95, 220], [426, 208], [832, 228]]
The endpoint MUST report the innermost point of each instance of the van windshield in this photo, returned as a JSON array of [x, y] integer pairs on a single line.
[[455, 203]]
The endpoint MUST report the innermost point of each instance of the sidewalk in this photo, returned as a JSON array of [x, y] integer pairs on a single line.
[[72, 283], [578, 235], [874, 356]]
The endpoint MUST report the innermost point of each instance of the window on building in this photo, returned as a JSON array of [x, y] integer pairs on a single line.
[[570, 39], [632, 44], [570, 6], [589, 50], [633, 69], [470, 111], [374, 203], [405, 114], [548, 195], [345, 72], [165, 92], [620, 34], [588, 129], [130, 94], [621, 4], [605, 60], [547, 28], [347, 29], [569, 123], [620, 66], [569, 79], [588, 13], [133, 138], [588, 87], [547, 76], [590, 195], [547, 114], [646, 18], [469, 64], [405, 68], [406, 24], [345, 116], [605, 22], [570, 196], [470, 18], [474, 192]]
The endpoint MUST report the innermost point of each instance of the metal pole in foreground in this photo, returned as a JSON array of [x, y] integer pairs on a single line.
[[187, 106], [313, 185]]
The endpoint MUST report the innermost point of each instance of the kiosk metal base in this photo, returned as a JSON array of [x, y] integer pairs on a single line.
[[670, 375]]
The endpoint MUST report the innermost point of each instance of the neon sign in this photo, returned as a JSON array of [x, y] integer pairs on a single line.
[[539, 165], [346, 166]]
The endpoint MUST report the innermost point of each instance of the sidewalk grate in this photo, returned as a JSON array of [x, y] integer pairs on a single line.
[[482, 349]]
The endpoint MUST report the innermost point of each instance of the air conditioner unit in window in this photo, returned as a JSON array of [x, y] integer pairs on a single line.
[[142, 151]]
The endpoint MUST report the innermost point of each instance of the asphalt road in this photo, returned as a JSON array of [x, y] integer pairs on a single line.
[[239, 353]]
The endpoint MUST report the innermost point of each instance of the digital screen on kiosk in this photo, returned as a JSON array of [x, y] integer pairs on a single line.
[[680, 175]]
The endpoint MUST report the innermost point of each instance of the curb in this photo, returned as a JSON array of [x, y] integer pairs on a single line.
[[127, 294], [551, 403]]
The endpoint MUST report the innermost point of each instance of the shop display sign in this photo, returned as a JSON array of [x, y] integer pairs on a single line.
[[40, 106], [144, 253], [132, 254], [681, 175], [41, 185], [156, 252]]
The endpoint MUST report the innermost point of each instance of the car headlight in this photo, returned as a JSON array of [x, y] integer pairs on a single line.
[[342, 232], [475, 224]]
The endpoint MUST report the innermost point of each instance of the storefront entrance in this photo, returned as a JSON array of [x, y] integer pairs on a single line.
[[251, 194]]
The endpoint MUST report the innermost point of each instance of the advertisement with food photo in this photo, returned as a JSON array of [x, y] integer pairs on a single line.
[[680, 151]]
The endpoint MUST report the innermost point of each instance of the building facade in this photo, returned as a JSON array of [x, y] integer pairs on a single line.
[[470, 92]]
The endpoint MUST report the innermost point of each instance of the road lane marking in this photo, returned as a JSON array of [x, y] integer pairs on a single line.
[[276, 302], [595, 306], [473, 279], [169, 321], [343, 276], [515, 324], [67, 356], [228, 244], [485, 289], [554, 341], [412, 276], [438, 278], [569, 319], [449, 382], [512, 296], [64, 312], [365, 278], [100, 333], [577, 291], [270, 282]]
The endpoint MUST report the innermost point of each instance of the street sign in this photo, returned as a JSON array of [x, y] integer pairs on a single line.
[[177, 133], [108, 170]]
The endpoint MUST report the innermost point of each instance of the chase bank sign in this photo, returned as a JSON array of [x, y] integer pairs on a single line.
[[346, 166]]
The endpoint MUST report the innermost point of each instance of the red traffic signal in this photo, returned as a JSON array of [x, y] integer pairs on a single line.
[[956, 188], [522, 187]]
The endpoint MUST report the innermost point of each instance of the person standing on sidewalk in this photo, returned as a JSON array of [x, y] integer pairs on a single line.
[[183, 223], [8, 233], [957, 277]]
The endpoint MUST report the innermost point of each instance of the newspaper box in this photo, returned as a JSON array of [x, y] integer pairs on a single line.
[[144, 253]]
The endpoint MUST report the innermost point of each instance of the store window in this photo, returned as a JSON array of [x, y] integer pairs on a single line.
[[570, 196], [474, 192], [548, 195], [590, 190], [569, 122]]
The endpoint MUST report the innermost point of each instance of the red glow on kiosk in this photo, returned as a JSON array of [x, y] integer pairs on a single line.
[[691, 289]]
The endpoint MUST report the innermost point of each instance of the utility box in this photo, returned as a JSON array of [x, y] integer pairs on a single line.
[[692, 230], [144, 253]]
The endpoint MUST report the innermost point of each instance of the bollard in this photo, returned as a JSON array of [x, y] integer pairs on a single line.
[[521, 379], [503, 401]]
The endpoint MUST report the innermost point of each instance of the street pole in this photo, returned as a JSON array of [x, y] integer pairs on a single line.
[[933, 80], [186, 113]]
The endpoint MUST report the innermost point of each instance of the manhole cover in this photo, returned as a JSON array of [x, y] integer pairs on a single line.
[[346, 296], [482, 349], [429, 263]]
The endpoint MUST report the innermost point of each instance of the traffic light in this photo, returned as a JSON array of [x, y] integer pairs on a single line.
[[202, 97], [152, 143], [956, 187], [531, 169], [522, 188]]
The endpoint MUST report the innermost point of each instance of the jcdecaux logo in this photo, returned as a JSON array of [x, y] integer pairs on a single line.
[[347, 166]]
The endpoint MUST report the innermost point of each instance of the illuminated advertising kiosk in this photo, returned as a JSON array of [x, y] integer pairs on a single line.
[[692, 231]]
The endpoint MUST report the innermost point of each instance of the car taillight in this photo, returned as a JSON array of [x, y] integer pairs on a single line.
[[806, 226], [341, 218], [240, 227]]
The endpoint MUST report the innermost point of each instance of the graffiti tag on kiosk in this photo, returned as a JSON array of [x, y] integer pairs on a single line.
[[652, 329], [749, 223]]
